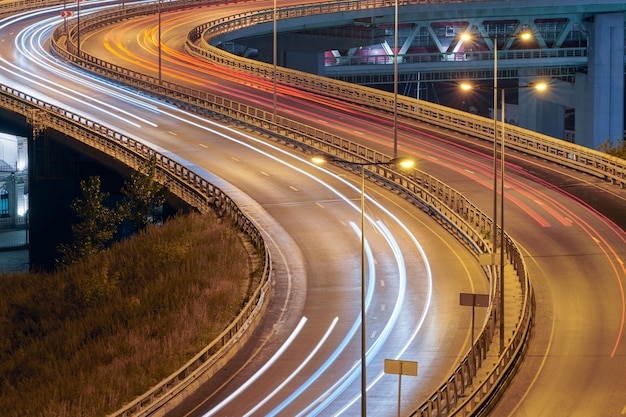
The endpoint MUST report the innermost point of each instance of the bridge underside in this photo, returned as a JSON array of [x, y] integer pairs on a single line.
[[579, 49]]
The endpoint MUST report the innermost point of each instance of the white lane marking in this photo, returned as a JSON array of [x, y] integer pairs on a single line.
[[265, 367], [298, 369]]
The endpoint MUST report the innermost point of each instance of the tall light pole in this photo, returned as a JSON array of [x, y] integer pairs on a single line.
[[525, 35], [404, 162], [539, 87], [395, 83], [274, 57], [78, 26], [159, 41]]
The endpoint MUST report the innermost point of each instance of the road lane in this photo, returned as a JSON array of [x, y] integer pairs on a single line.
[[565, 249]]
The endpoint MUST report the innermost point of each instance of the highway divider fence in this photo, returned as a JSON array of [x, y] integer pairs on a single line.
[[190, 187], [448, 206], [598, 164]]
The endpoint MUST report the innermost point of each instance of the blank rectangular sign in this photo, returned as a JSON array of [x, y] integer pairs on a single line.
[[476, 300], [397, 367]]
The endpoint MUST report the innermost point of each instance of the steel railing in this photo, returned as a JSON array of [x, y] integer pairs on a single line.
[[187, 185], [564, 153], [445, 204], [453, 210]]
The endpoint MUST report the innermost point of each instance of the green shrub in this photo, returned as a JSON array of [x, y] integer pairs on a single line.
[[99, 332]]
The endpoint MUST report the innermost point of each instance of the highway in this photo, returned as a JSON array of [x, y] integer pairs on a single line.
[[309, 227], [308, 214]]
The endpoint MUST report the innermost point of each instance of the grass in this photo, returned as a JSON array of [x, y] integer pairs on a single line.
[[92, 336]]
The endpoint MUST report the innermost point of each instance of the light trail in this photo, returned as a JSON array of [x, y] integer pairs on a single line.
[[595, 235], [294, 374], [261, 371]]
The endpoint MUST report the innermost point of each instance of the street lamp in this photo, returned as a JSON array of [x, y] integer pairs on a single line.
[[159, 42], [274, 58], [395, 81], [524, 35], [541, 86], [403, 162]]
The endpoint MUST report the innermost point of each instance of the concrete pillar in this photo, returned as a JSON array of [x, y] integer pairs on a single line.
[[544, 111], [541, 112], [600, 102]]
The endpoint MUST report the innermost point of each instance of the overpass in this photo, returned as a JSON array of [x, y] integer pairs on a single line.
[[184, 98], [578, 45]]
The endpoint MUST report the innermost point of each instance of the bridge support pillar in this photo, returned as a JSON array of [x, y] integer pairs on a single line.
[[600, 93], [541, 113]]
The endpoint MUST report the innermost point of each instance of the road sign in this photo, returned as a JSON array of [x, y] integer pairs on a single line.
[[397, 367], [393, 366], [475, 300]]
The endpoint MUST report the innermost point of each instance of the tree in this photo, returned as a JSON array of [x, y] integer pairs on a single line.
[[618, 150], [145, 195], [96, 224]]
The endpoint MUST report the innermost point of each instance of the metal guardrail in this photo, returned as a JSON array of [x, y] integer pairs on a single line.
[[448, 206], [189, 186], [8, 8], [456, 57], [564, 153], [451, 208]]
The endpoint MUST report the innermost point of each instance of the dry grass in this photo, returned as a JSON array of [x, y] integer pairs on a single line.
[[85, 340]]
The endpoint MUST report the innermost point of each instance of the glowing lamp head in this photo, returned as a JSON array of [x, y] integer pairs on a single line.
[[526, 35], [318, 159], [403, 162], [466, 37]]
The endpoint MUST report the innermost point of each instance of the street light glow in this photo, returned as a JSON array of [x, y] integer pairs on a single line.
[[525, 35], [539, 86], [403, 162], [466, 36], [318, 159]]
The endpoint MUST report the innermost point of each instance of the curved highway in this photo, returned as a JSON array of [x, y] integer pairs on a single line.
[[306, 359], [310, 341]]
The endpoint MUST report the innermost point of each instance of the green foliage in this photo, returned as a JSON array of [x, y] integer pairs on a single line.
[[97, 333], [96, 224], [145, 195], [618, 150]]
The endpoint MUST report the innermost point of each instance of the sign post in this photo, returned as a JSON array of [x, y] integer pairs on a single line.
[[397, 367], [474, 300]]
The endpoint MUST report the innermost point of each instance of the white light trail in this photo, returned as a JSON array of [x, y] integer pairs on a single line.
[[295, 372], [265, 367]]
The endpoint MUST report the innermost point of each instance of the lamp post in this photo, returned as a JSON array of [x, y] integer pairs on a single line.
[[525, 35], [539, 87], [78, 26], [274, 58], [404, 162], [159, 42], [395, 82]]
